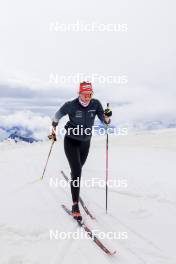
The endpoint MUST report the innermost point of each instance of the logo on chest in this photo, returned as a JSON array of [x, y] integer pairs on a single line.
[[92, 112], [79, 114]]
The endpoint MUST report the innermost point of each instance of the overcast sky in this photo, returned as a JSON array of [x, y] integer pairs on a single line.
[[146, 51], [145, 54]]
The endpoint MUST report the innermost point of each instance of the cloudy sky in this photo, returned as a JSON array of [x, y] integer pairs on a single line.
[[143, 55]]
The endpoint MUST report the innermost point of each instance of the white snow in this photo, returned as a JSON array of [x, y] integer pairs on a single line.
[[144, 210]]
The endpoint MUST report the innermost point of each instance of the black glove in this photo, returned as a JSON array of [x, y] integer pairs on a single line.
[[52, 137], [108, 112]]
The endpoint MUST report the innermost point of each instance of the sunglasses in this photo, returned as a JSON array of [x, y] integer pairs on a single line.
[[86, 95]]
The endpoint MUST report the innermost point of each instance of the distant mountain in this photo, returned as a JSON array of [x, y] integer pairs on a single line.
[[21, 133], [155, 125], [100, 126], [18, 138], [17, 133]]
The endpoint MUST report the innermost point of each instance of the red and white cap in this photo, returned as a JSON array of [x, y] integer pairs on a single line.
[[85, 87]]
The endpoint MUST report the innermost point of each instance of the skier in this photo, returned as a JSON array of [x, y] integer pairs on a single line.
[[81, 112]]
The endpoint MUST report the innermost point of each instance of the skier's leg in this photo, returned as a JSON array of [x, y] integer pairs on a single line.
[[84, 151], [72, 152]]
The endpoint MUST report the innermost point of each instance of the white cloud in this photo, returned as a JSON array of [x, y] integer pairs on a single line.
[[39, 125], [3, 134], [129, 104], [146, 52]]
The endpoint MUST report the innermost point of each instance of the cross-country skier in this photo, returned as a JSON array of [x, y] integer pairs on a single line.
[[81, 112]]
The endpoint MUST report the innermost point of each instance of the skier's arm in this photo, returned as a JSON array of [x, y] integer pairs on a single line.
[[64, 110]]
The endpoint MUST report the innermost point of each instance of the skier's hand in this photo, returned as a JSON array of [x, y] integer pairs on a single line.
[[107, 115], [107, 120], [108, 112], [52, 136]]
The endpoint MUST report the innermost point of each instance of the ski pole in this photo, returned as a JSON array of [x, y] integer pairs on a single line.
[[47, 159], [107, 144]]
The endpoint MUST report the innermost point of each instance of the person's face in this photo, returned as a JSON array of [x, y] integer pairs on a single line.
[[86, 96]]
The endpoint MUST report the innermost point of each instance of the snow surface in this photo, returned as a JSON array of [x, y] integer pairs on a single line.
[[145, 209]]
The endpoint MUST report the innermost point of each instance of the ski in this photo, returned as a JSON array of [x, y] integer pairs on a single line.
[[90, 233], [80, 199]]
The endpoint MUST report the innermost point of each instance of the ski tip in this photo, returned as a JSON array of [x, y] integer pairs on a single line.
[[112, 253]]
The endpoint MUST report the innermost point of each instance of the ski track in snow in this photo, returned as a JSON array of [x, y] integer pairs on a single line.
[[70, 244], [115, 221], [25, 239], [154, 197], [156, 251]]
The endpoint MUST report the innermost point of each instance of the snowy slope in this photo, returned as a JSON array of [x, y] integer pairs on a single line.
[[145, 209]]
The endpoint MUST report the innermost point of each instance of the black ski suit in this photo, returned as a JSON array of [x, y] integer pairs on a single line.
[[77, 146]]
